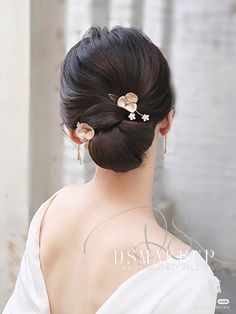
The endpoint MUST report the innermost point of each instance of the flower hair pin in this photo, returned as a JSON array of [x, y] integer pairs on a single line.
[[129, 102], [85, 133]]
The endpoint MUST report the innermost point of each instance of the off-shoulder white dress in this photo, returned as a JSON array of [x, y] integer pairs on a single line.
[[169, 287]]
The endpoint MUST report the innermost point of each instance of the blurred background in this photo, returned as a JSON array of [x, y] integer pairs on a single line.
[[197, 180]]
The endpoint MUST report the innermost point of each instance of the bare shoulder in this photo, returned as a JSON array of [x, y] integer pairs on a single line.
[[59, 220], [62, 206]]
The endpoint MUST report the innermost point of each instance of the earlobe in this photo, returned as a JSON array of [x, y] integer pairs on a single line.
[[166, 123]]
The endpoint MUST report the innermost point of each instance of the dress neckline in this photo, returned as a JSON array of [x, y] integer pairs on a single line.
[[142, 271]]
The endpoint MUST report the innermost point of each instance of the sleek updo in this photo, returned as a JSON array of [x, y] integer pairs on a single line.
[[116, 62]]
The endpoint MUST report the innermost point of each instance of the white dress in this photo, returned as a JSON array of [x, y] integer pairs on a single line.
[[163, 288]]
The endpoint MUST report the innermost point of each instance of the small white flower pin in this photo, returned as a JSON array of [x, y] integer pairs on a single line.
[[145, 117], [132, 116]]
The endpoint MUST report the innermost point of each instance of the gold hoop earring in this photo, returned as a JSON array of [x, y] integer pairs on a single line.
[[165, 147], [78, 154]]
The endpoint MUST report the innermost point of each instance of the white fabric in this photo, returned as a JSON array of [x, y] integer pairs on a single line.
[[176, 287]]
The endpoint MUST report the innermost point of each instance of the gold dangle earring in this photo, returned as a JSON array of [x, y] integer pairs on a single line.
[[165, 147], [78, 154]]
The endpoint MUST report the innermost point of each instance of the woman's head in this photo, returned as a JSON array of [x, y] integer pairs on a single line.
[[115, 62]]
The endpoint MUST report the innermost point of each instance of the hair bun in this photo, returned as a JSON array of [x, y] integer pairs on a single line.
[[119, 144], [122, 147]]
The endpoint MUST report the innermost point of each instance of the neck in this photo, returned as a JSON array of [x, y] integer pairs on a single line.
[[133, 188]]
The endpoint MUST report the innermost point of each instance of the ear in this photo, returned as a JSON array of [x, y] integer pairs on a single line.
[[166, 123], [73, 136]]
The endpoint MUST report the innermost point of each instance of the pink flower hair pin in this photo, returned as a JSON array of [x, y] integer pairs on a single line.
[[85, 133], [129, 102]]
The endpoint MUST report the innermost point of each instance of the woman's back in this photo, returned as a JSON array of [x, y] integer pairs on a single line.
[[57, 277], [84, 246]]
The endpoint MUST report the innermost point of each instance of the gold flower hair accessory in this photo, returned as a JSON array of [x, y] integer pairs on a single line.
[[129, 102], [85, 133]]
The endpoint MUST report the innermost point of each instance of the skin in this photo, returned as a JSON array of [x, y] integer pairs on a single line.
[[82, 283]]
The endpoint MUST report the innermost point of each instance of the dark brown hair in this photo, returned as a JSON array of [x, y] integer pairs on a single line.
[[118, 61]]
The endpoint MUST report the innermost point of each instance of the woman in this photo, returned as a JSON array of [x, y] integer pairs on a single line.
[[97, 247]]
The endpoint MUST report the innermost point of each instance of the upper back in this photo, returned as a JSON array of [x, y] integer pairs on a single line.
[[87, 247]]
